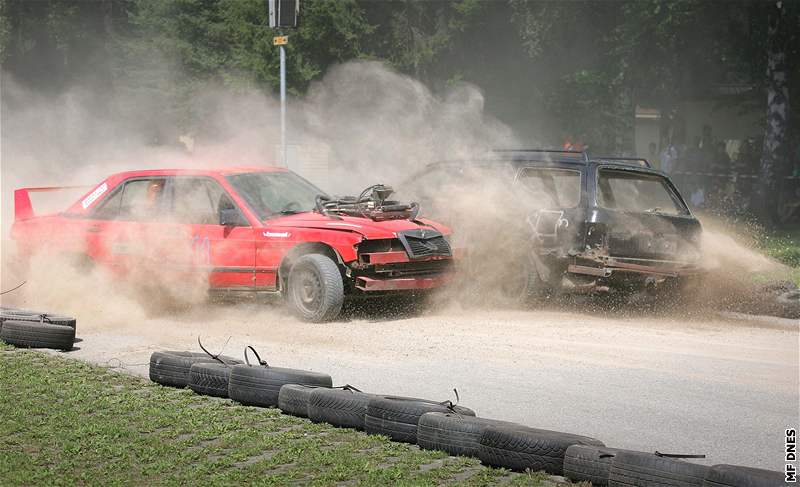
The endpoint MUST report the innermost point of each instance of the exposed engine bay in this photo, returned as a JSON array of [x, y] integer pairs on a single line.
[[372, 203]]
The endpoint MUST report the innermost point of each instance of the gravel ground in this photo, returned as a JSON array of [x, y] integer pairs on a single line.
[[726, 387]]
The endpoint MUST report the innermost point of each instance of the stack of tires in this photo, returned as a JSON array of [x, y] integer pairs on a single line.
[[442, 426], [35, 329], [613, 467], [223, 376], [498, 443]]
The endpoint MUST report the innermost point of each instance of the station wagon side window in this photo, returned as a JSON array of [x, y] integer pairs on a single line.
[[636, 192], [551, 188], [136, 200]]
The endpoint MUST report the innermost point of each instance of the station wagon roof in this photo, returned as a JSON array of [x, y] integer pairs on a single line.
[[553, 158]]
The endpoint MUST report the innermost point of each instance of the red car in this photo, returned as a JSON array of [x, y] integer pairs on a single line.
[[246, 229]]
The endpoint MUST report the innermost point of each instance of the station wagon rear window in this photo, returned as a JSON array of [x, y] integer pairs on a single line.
[[637, 192], [552, 188]]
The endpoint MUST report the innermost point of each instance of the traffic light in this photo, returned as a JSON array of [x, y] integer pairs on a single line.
[[283, 13]]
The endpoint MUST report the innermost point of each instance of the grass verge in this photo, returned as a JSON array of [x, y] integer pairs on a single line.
[[784, 246], [66, 422]]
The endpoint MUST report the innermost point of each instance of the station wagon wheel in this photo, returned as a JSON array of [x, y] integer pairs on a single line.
[[315, 290], [521, 283]]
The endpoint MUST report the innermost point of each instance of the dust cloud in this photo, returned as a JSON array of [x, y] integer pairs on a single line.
[[368, 123]]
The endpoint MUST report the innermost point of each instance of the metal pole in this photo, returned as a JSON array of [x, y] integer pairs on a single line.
[[283, 107]]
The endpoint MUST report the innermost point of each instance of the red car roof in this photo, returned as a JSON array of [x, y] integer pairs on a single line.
[[223, 171]]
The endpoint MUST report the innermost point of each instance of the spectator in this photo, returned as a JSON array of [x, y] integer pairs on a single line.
[[652, 154], [721, 161], [669, 158]]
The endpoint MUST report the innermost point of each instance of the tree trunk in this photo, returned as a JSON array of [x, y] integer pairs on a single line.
[[774, 151]]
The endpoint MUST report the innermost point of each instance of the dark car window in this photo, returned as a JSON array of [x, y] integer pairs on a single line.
[[274, 193], [636, 192], [551, 188]]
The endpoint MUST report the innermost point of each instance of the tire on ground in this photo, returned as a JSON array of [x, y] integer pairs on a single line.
[[452, 433], [20, 314], [342, 408], [647, 470], [37, 335], [171, 368], [260, 386], [47, 318], [294, 398], [210, 379], [735, 476], [398, 417], [315, 289], [585, 463], [523, 448]]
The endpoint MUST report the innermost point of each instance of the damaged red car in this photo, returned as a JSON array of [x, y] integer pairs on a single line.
[[246, 230]]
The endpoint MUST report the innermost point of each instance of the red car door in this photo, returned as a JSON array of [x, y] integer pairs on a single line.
[[224, 253], [125, 231]]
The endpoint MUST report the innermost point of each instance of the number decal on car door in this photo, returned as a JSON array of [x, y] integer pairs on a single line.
[[201, 249]]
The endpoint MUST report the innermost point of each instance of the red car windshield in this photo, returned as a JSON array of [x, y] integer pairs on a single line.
[[275, 193]]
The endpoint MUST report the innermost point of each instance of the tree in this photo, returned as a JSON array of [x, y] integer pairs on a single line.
[[179, 47], [775, 149], [412, 35]]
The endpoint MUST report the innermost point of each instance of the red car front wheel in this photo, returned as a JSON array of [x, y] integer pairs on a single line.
[[315, 290]]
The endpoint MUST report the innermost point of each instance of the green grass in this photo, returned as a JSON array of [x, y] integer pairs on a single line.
[[784, 246], [66, 422]]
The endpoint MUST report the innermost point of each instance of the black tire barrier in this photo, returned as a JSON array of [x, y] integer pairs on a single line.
[[584, 463], [210, 379], [639, 469], [344, 408], [453, 433], [32, 334], [261, 385], [398, 417], [18, 314], [171, 368], [523, 448], [10, 311], [294, 398], [735, 476]]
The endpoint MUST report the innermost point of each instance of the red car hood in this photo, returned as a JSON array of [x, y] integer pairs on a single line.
[[370, 229]]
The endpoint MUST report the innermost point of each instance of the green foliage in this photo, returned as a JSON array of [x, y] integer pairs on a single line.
[[5, 30], [176, 48], [411, 35], [230, 40]]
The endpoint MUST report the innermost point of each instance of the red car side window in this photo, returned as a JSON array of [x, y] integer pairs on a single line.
[[196, 201], [137, 200]]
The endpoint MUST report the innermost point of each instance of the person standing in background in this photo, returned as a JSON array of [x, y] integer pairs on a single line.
[[652, 153], [668, 158]]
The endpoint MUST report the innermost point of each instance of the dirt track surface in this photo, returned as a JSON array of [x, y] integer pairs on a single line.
[[723, 387]]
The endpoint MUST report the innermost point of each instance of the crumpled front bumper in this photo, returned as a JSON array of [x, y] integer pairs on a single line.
[[402, 283], [661, 268]]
